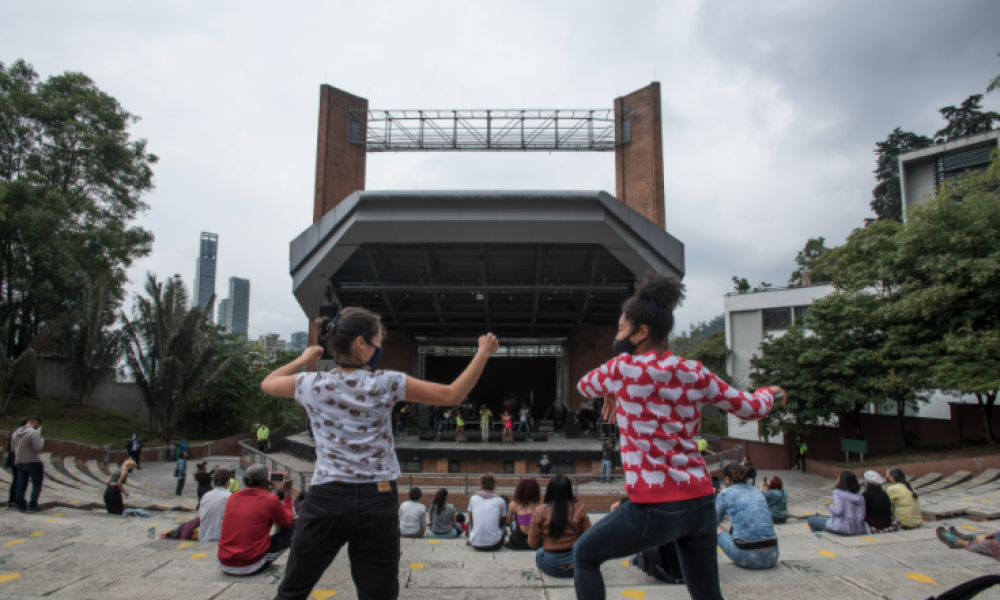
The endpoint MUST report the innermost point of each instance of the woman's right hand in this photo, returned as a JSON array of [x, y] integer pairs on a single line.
[[312, 353], [488, 344]]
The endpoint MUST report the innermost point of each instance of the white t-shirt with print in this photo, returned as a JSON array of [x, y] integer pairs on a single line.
[[411, 516], [350, 415], [486, 513]]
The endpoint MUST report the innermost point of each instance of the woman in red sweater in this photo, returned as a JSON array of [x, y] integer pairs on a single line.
[[656, 399]]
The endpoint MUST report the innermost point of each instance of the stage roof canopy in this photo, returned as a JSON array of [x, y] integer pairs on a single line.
[[457, 264]]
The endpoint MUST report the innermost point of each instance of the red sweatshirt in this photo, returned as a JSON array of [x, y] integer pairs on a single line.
[[659, 415], [246, 526]]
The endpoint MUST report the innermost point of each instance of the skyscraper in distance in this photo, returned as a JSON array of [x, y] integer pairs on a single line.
[[300, 340], [223, 319], [204, 275], [238, 309]]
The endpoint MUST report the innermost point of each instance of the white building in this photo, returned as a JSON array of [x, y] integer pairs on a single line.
[[271, 343], [921, 171]]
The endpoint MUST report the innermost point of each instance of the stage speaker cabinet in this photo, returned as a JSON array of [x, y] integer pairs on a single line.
[[520, 436], [546, 425], [608, 430], [473, 435], [572, 430], [496, 436], [540, 436], [423, 417], [427, 436]]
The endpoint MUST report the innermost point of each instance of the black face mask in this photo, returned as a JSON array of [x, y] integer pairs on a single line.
[[625, 346]]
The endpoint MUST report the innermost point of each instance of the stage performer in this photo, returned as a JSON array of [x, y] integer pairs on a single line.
[[459, 427], [508, 429], [656, 398], [353, 500], [485, 418]]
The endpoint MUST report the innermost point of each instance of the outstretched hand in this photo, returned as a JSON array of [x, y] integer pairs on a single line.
[[779, 393], [610, 410], [312, 353], [286, 486], [489, 344]]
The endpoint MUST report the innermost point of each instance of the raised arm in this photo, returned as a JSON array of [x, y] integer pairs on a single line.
[[744, 405], [436, 394], [281, 381], [601, 381]]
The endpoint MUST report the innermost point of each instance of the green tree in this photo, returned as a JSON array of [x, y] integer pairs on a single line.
[[169, 348], [887, 200], [813, 262], [994, 84], [16, 372], [969, 118], [92, 347], [71, 184], [684, 344], [741, 285]]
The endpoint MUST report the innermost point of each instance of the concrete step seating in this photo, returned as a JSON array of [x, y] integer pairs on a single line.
[[921, 482], [962, 494], [74, 554], [947, 483]]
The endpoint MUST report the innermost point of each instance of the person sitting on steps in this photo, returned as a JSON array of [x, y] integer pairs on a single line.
[[412, 516], [905, 502], [519, 516], [442, 516], [987, 545], [246, 546], [847, 513], [751, 542], [878, 506], [777, 499], [213, 507], [556, 527], [113, 492], [487, 513]]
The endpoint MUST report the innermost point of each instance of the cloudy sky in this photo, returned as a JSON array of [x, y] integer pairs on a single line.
[[770, 109]]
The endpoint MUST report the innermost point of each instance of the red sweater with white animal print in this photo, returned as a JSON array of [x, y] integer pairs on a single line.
[[659, 400]]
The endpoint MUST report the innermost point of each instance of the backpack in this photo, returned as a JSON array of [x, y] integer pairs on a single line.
[[661, 562]]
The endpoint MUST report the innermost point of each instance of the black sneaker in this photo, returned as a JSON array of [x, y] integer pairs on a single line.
[[965, 537], [947, 538], [34, 509]]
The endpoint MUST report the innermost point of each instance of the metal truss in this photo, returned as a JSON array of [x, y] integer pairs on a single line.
[[488, 130]]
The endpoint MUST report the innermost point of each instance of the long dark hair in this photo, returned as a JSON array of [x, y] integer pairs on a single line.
[[437, 507], [528, 492], [559, 495], [848, 482], [336, 337], [653, 303], [900, 477]]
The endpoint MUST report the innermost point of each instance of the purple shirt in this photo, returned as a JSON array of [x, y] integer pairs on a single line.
[[847, 513]]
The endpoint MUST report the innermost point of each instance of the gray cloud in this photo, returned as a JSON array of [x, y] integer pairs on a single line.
[[771, 110]]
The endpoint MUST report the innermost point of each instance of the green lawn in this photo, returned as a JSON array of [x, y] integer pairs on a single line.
[[916, 456], [67, 420]]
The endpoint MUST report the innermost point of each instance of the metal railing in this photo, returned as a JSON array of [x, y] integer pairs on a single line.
[[269, 461]]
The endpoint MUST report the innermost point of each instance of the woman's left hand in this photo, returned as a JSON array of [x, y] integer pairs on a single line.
[[610, 410]]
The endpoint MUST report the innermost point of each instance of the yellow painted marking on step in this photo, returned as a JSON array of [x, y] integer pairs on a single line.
[[185, 545], [984, 500], [154, 525], [970, 528], [62, 487], [14, 542], [75, 502], [922, 578], [199, 555], [417, 566], [179, 520], [9, 577], [947, 480], [802, 495], [94, 495], [869, 539], [51, 520], [719, 549], [322, 594], [37, 534], [634, 594], [827, 553], [433, 541], [805, 524], [624, 563], [966, 499]]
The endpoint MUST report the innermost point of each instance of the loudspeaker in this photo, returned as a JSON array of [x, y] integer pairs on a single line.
[[540, 436], [495, 436], [423, 416], [473, 435], [572, 430], [520, 436], [426, 436]]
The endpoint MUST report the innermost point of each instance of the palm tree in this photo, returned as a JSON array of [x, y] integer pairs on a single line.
[[169, 347], [92, 348]]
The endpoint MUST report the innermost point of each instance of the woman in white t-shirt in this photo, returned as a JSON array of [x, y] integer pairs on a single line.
[[487, 513], [353, 499]]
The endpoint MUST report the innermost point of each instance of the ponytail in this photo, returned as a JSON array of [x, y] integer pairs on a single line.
[[900, 477], [653, 303]]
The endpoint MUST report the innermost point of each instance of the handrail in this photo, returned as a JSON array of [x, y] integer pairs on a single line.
[[258, 457]]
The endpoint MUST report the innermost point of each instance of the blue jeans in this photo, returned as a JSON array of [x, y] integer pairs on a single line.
[[637, 527], [454, 533], [556, 564], [35, 471], [606, 469], [817, 523], [437, 425], [525, 424], [748, 559]]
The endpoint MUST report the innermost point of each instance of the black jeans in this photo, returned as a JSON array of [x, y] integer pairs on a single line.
[[800, 462], [136, 457], [35, 473], [633, 528], [180, 484], [358, 515]]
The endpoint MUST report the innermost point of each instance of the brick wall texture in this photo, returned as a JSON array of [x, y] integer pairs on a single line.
[[589, 348], [340, 165], [639, 163]]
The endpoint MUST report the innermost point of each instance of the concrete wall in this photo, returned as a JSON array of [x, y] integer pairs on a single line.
[[918, 181], [51, 382], [340, 165], [639, 163]]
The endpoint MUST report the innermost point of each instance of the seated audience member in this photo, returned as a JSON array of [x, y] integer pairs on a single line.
[[442, 516], [526, 498], [114, 491], [847, 513], [905, 505], [878, 506], [213, 508], [245, 545], [777, 499], [234, 486], [204, 480], [412, 520], [987, 544], [556, 526], [487, 512], [751, 542], [460, 522]]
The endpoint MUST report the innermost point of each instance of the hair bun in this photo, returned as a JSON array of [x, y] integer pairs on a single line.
[[663, 291]]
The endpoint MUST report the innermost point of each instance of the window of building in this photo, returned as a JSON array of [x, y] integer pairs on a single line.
[[410, 466], [454, 466], [801, 311], [564, 467], [777, 318], [508, 466]]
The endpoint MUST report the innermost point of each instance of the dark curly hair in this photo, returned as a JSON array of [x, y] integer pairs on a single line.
[[336, 337], [653, 303], [738, 473]]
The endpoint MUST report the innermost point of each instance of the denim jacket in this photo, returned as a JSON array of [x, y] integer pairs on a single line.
[[747, 509], [777, 503], [847, 513]]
